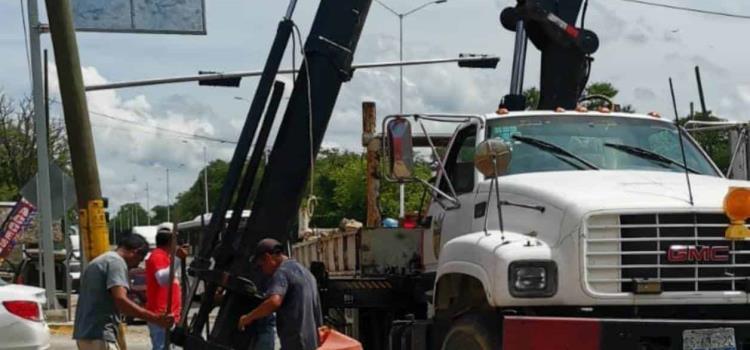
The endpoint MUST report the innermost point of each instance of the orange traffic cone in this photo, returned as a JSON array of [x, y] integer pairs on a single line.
[[330, 339]]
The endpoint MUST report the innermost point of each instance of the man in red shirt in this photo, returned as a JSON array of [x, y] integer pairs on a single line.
[[157, 284]]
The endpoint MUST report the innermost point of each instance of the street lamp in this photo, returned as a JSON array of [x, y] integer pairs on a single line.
[[401, 42], [401, 16]]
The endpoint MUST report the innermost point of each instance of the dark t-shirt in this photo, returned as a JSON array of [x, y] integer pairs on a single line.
[[299, 317]]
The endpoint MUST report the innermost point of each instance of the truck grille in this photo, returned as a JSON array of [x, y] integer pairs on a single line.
[[686, 252]]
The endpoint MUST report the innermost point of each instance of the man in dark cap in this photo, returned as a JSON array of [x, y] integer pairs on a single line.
[[292, 293]]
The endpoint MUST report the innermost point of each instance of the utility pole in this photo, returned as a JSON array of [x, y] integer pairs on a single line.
[[148, 205], [205, 179], [169, 217], [372, 144], [91, 205], [42, 157]]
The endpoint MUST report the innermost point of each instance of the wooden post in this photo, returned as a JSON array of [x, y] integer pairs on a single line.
[[372, 144]]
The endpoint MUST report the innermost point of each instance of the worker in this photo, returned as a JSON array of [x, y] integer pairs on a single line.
[[103, 296], [292, 294], [157, 283]]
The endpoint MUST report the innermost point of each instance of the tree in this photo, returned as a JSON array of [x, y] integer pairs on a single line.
[[18, 145], [532, 97], [191, 203], [128, 215], [715, 143], [602, 88], [160, 213], [339, 186]]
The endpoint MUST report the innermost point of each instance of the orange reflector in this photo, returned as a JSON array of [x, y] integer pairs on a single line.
[[737, 209]]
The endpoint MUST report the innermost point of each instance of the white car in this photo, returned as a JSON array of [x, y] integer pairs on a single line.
[[22, 324]]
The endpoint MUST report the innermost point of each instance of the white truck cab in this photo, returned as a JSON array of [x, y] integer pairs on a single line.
[[597, 209]]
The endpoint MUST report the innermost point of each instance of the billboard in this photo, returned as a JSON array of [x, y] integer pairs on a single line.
[[141, 16]]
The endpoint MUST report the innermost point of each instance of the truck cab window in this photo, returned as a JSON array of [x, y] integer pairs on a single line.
[[459, 163]]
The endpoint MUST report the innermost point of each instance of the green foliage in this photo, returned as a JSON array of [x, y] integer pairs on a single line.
[[18, 145], [532, 97], [715, 143], [129, 215], [160, 213], [191, 203], [339, 186]]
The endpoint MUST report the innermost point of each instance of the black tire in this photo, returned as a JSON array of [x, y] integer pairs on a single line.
[[473, 332]]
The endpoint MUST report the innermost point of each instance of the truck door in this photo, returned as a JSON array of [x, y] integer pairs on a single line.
[[447, 219]]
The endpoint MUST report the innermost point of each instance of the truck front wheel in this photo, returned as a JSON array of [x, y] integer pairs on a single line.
[[473, 331]]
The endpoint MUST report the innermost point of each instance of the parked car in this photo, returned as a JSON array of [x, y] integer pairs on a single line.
[[22, 324], [137, 291]]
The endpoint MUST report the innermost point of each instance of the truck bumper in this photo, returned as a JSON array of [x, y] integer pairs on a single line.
[[537, 333]]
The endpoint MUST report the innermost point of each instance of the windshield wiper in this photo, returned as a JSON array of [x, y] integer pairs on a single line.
[[554, 149], [650, 155]]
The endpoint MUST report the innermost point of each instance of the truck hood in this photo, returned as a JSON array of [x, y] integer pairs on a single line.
[[618, 189]]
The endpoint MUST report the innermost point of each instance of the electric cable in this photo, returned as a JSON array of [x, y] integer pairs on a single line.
[[688, 9], [312, 199], [159, 128], [26, 41]]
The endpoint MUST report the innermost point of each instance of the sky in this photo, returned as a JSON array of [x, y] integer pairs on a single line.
[[641, 47]]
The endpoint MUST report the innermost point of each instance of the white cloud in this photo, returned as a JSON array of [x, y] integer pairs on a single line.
[[134, 144]]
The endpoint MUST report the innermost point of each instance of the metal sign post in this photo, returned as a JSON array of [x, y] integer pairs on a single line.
[[40, 127]]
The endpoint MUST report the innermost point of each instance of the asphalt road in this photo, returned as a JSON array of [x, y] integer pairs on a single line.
[[137, 339]]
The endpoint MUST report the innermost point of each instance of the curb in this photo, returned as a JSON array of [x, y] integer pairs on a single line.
[[61, 327]]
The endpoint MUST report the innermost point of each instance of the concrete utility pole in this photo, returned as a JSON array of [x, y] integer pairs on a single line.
[[91, 206], [148, 206], [42, 158], [372, 143], [205, 180], [169, 216]]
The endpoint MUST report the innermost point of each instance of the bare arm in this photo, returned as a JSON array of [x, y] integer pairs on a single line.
[[129, 308], [265, 309]]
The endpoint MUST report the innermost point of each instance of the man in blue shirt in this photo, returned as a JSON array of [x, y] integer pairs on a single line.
[[292, 293]]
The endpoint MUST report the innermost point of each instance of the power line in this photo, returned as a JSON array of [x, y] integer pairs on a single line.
[[688, 9], [26, 41], [161, 129]]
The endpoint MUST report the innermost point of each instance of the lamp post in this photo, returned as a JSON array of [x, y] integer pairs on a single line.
[[169, 217], [401, 42], [148, 205], [205, 180], [401, 15]]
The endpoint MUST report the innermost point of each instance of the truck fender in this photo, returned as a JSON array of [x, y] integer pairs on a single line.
[[464, 278]]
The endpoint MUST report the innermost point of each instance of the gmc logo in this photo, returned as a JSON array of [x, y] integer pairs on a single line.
[[697, 253]]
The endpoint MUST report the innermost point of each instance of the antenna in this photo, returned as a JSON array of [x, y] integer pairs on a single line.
[[700, 92], [682, 144]]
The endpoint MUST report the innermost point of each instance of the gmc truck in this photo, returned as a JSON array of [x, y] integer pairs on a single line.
[[603, 239]]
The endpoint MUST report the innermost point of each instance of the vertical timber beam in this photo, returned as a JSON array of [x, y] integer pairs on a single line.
[[372, 144], [91, 206]]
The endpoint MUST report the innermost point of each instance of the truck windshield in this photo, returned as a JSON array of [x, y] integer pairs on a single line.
[[609, 143]]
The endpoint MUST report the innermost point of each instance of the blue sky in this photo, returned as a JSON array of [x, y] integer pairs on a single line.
[[641, 47]]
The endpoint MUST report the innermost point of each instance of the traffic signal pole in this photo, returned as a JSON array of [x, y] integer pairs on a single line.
[[91, 206]]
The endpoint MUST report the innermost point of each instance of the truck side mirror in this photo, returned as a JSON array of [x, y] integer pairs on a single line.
[[401, 155], [492, 157]]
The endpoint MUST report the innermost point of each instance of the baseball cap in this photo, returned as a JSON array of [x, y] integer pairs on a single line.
[[268, 245]]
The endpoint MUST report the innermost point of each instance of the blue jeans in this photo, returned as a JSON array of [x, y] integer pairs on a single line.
[[158, 335], [265, 338]]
